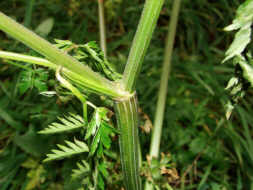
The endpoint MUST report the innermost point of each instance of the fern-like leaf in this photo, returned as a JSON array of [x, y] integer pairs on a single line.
[[77, 147], [83, 169], [67, 124]]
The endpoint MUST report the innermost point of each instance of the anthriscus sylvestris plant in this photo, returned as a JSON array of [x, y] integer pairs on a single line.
[[83, 70]]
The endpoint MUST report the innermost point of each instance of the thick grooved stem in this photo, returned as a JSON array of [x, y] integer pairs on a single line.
[[127, 118]]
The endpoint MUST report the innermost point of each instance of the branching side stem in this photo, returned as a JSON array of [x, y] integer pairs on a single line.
[[141, 42], [90, 79], [74, 90], [79, 80]]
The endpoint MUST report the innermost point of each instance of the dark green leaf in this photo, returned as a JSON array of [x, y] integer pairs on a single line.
[[95, 142], [26, 81], [101, 183], [102, 168], [105, 138]]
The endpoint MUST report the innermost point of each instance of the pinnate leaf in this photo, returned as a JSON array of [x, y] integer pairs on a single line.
[[68, 123], [77, 147], [242, 39], [83, 169], [242, 22]]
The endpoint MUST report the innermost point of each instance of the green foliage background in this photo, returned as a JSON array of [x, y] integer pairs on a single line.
[[207, 151]]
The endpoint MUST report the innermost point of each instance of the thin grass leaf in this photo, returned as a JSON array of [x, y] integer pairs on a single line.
[[68, 123], [77, 147]]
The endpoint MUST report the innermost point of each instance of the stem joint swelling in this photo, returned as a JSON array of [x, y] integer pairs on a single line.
[[127, 119]]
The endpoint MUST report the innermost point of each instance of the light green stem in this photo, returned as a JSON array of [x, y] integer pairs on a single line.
[[127, 119], [141, 42], [27, 59], [90, 79], [74, 90], [156, 135], [79, 81], [160, 108], [102, 29]]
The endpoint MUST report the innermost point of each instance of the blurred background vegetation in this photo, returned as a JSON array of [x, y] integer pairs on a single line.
[[205, 150]]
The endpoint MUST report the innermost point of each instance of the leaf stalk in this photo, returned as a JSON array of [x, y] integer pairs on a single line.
[[141, 42], [89, 78]]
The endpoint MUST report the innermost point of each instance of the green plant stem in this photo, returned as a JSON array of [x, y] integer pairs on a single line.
[[27, 59], [102, 29], [160, 108], [28, 14], [127, 119], [79, 81], [141, 42], [156, 135], [74, 90], [90, 79], [126, 109]]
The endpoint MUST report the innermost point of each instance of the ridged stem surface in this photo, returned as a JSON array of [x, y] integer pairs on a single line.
[[127, 119]]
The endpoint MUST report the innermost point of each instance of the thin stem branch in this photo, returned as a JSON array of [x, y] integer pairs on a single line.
[[27, 59], [102, 29], [160, 108], [156, 135], [141, 42], [65, 83], [90, 79]]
